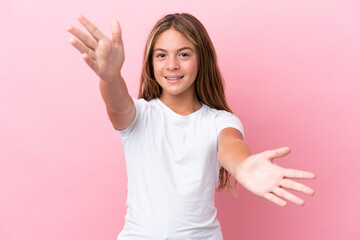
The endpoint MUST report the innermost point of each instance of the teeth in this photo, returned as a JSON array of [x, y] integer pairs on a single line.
[[173, 78]]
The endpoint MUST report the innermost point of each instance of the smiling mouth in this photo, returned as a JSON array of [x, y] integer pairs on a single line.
[[174, 78]]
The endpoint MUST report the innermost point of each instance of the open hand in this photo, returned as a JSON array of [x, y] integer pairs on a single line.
[[261, 176], [103, 55]]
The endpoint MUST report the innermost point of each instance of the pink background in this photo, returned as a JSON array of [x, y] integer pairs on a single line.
[[292, 73]]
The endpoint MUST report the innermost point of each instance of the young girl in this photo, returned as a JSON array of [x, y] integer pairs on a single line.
[[180, 139]]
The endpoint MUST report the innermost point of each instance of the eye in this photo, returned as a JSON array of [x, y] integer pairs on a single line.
[[184, 55], [160, 55]]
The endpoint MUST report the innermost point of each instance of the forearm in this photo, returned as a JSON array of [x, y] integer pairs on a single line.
[[232, 155], [115, 95]]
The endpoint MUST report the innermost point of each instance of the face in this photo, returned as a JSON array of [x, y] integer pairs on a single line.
[[175, 64]]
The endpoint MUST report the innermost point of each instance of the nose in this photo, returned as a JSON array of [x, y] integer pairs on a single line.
[[173, 64]]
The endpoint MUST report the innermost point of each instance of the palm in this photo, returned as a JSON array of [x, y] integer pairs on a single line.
[[109, 58], [261, 176]]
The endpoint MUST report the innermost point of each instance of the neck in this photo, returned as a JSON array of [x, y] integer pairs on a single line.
[[183, 105]]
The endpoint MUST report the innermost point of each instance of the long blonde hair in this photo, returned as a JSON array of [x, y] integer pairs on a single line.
[[209, 86]]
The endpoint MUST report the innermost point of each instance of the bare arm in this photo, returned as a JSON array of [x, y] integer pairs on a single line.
[[119, 105], [232, 150], [106, 57], [257, 173]]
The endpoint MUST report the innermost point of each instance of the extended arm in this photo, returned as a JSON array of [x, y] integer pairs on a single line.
[[257, 173], [232, 150], [106, 57]]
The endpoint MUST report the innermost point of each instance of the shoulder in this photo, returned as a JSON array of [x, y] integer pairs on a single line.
[[142, 104], [218, 115], [224, 119]]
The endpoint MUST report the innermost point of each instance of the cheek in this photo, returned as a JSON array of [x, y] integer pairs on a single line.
[[193, 68], [157, 72], [156, 68]]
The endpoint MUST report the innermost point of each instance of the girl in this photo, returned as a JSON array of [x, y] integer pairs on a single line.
[[180, 139]]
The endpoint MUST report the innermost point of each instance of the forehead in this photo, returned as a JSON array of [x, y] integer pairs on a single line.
[[172, 39]]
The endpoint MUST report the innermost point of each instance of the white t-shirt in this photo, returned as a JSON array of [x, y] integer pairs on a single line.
[[173, 172]]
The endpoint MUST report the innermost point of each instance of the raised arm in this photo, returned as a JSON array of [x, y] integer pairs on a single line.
[[257, 173], [106, 57]]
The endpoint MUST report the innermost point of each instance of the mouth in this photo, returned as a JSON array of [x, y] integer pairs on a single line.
[[173, 78]]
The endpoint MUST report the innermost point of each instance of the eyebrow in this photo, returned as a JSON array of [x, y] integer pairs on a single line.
[[179, 50]]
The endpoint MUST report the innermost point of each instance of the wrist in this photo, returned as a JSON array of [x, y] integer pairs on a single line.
[[242, 169], [111, 79]]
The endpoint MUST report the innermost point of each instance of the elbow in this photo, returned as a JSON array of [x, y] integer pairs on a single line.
[[221, 156]]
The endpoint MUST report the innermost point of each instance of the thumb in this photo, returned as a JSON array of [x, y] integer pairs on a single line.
[[276, 153], [116, 32]]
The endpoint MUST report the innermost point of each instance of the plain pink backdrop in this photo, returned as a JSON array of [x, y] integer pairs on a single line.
[[293, 77]]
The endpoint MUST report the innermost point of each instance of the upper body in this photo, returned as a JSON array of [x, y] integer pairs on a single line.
[[173, 171]]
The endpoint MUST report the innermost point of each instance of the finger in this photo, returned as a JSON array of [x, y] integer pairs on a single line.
[[288, 196], [92, 29], [83, 37], [294, 173], [272, 198], [116, 32], [276, 153], [82, 48], [287, 183], [92, 64]]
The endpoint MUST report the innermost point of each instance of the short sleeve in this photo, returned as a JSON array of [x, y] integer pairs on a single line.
[[140, 106], [226, 119]]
